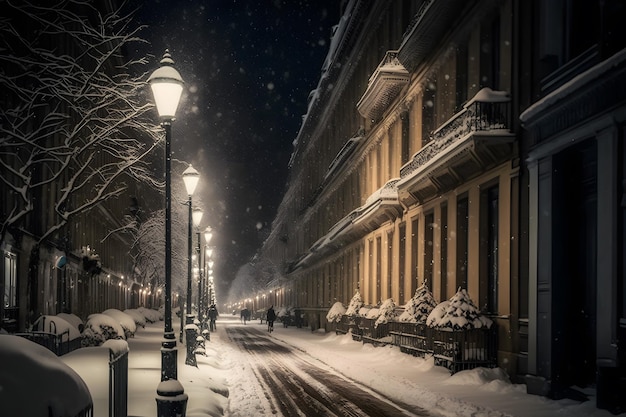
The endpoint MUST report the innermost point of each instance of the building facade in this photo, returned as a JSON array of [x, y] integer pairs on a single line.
[[52, 261], [444, 144]]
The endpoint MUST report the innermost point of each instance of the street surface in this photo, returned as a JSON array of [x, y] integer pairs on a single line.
[[297, 384]]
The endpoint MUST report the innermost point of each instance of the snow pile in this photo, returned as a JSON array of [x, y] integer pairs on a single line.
[[117, 347], [477, 377], [336, 312], [458, 313], [386, 312], [419, 307], [73, 319], [35, 382], [355, 304]]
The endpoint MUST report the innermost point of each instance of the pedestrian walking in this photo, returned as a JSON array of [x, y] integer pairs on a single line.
[[245, 315], [271, 316], [212, 317]]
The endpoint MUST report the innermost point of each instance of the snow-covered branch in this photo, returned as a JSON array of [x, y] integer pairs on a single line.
[[74, 121]]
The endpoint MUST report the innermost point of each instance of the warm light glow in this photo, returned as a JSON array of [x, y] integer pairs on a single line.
[[167, 87], [191, 178], [209, 252], [208, 234], [197, 216], [211, 264]]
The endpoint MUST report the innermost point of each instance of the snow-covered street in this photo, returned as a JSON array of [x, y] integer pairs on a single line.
[[232, 379]]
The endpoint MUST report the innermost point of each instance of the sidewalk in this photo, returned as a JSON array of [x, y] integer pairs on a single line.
[[224, 385]]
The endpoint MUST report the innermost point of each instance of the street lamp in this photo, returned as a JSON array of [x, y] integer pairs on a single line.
[[191, 178], [167, 87], [197, 218], [208, 235]]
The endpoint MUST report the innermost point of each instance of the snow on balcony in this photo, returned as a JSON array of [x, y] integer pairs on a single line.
[[470, 142], [383, 87]]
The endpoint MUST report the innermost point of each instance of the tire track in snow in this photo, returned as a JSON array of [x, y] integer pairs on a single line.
[[299, 385]]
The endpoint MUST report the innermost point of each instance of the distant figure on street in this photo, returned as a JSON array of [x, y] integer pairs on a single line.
[[271, 316], [245, 315], [212, 317]]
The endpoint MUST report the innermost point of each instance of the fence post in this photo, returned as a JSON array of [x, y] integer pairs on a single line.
[[118, 383]]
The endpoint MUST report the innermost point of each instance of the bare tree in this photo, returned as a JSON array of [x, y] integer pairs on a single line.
[[149, 240], [75, 120]]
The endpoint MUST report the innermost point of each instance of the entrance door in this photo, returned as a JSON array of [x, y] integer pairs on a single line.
[[574, 266]]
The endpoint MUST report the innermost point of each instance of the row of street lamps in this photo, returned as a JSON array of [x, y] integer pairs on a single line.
[[167, 86]]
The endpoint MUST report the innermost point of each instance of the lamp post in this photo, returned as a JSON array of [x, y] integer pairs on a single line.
[[208, 235], [191, 178], [167, 87], [197, 218]]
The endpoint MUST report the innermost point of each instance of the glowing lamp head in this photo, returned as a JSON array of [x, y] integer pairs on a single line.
[[197, 216], [167, 87], [191, 178]]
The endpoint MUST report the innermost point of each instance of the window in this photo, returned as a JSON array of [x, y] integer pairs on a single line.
[[444, 252], [428, 111], [10, 280], [404, 118], [389, 263], [489, 248], [401, 261], [429, 244], [490, 54], [569, 29], [414, 234], [462, 224]]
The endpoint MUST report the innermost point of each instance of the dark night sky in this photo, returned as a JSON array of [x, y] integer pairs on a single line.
[[248, 66]]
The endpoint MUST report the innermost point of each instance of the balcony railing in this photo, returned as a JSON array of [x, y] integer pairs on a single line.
[[487, 111]]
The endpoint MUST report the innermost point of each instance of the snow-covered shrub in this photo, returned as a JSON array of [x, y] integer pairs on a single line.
[[369, 313], [99, 328], [151, 315], [355, 304], [336, 312], [386, 312], [138, 317], [419, 307], [364, 311], [126, 321], [460, 313], [437, 314], [283, 312]]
